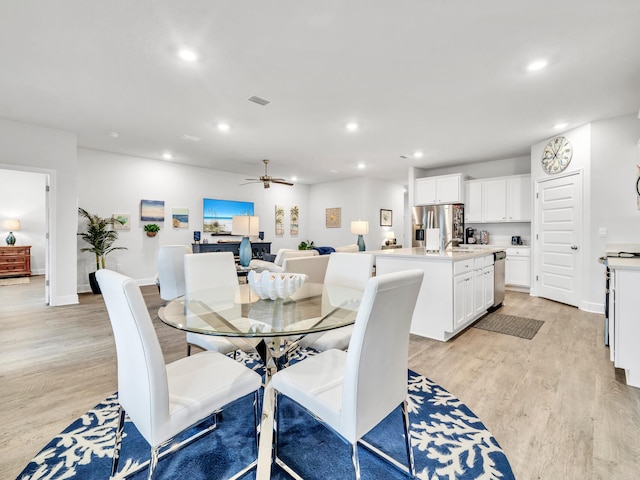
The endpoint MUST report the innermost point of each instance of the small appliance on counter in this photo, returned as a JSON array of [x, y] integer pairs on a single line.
[[516, 240], [484, 237], [470, 235]]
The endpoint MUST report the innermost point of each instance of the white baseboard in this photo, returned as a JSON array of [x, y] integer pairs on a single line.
[[592, 307]]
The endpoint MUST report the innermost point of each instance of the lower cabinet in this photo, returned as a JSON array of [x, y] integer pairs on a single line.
[[453, 293], [517, 271]]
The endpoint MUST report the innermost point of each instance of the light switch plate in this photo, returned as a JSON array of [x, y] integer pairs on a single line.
[[603, 231]]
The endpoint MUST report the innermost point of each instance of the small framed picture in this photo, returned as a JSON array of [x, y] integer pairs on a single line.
[[386, 218]]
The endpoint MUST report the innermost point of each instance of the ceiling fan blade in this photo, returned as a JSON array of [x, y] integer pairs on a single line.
[[255, 181], [281, 181]]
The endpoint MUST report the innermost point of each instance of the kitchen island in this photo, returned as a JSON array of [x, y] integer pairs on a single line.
[[457, 289]]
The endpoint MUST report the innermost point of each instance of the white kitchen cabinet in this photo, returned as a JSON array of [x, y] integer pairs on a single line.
[[473, 202], [624, 328], [519, 199], [441, 189], [462, 299], [494, 200], [497, 200], [446, 303], [489, 286], [517, 270]]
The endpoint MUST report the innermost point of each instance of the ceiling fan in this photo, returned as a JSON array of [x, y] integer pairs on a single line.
[[267, 179]]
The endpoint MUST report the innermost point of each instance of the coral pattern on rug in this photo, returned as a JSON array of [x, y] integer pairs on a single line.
[[448, 440]]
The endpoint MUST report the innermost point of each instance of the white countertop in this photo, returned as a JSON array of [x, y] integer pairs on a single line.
[[455, 254], [621, 262]]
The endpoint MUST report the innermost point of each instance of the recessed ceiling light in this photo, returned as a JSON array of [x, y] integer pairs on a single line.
[[167, 156], [294, 179], [333, 170], [188, 55], [113, 134], [189, 138], [223, 127], [361, 165], [537, 65], [418, 154], [352, 126], [561, 125]]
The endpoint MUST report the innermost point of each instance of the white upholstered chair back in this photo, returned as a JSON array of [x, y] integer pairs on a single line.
[[375, 377], [209, 270], [351, 270], [171, 270], [142, 377]]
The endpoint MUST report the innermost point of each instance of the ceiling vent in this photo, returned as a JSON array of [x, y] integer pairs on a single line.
[[189, 138], [259, 101]]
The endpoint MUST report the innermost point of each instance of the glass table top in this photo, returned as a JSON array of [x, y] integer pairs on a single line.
[[237, 311]]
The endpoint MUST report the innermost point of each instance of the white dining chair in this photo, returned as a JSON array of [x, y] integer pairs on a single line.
[[351, 392], [351, 270], [164, 400], [212, 271], [171, 270]]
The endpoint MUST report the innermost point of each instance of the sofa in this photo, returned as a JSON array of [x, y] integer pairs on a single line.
[[284, 254]]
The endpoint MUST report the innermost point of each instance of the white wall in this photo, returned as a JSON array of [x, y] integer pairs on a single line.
[[359, 199], [606, 152], [32, 148], [614, 205], [109, 183], [22, 196], [494, 168]]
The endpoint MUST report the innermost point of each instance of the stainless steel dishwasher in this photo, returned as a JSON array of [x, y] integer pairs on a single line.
[[498, 278]]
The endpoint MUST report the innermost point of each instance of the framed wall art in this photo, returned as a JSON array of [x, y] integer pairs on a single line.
[[152, 210], [180, 217], [294, 215], [386, 218], [279, 220], [333, 217], [123, 221]]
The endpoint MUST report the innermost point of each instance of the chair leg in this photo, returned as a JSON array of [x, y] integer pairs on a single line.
[[188, 349], [355, 460], [153, 462], [256, 420], [407, 437], [275, 424], [116, 449]]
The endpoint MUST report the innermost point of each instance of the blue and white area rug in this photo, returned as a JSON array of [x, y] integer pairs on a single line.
[[448, 440]]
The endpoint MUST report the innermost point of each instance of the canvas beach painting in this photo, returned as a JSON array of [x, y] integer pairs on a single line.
[[180, 217], [152, 210]]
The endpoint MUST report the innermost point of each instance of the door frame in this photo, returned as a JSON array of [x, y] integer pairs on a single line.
[[584, 239]]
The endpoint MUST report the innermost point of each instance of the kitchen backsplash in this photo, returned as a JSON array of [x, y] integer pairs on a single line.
[[501, 233]]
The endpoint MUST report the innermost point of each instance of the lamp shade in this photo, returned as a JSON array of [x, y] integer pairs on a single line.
[[359, 227], [11, 225], [245, 225], [390, 234]]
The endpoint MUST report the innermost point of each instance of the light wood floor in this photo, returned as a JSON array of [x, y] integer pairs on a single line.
[[555, 403]]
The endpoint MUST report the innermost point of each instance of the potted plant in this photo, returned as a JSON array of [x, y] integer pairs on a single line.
[[152, 229], [101, 236], [308, 245]]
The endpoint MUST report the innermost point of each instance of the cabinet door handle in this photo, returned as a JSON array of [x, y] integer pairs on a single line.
[[574, 247]]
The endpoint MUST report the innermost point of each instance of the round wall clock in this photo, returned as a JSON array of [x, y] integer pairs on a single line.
[[556, 155]]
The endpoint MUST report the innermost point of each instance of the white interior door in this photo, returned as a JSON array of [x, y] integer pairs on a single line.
[[559, 239]]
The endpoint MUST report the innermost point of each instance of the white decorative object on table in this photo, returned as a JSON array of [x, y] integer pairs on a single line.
[[275, 285]]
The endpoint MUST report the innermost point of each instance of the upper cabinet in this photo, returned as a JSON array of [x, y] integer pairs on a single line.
[[495, 200], [441, 189]]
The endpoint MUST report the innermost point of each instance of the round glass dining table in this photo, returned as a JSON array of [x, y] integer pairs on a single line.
[[273, 328]]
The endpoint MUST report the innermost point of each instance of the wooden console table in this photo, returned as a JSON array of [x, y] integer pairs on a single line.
[[15, 261]]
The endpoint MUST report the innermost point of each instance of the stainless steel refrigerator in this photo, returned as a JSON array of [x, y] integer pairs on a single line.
[[448, 218]]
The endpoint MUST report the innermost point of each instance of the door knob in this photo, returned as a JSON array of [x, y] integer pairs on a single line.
[[574, 247]]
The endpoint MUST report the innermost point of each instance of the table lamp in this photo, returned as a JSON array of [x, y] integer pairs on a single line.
[[360, 227], [13, 226], [245, 225]]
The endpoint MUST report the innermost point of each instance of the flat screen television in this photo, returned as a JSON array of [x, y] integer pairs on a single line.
[[217, 214]]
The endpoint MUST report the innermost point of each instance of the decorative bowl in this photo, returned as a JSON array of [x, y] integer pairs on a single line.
[[275, 285]]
